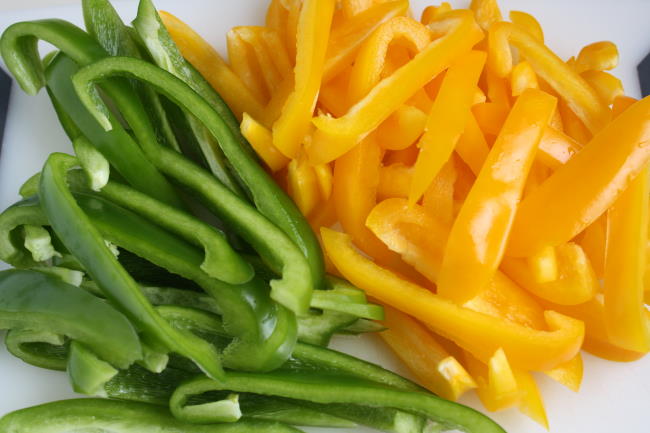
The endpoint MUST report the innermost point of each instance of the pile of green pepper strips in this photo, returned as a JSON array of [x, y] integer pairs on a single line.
[[162, 267]]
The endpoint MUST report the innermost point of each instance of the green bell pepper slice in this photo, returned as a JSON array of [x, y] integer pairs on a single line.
[[35, 301], [88, 374], [118, 416]]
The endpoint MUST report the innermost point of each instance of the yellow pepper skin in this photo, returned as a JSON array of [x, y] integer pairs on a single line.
[[210, 64], [446, 121], [438, 199], [276, 20], [496, 383], [599, 56], [487, 12], [472, 146], [312, 38], [522, 77], [490, 116], [576, 283], [581, 98], [422, 353], [394, 181], [561, 207], [260, 138], [543, 265], [569, 374], [478, 333], [556, 148], [430, 13], [606, 85], [370, 60], [627, 233], [402, 128], [244, 63], [531, 402], [346, 39], [529, 23], [457, 32], [479, 235], [351, 8], [302, 185]]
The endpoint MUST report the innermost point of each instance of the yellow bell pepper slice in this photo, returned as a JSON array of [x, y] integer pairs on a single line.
[[333, 96], [276, 20], [496, 383], [561, 207], [522, 77], [447, 120], [405, 156], [569, 373], [312, 38], [458, 33], [581, 98], [279, 55], [531, 402], [210, 64], [472, 146], [324, 179], [352, 7], [593, 240], [543, 265], [402, 128], [498, 91], [606, 85], [394, 181], [260, 138], [370, 60], [529, 23], [267, 61], [243, 61], [621, 103], [431, 13], [490, 116], [556, 148], [599, 56], [302, 185], [627, 233], [478, 333], [294, 8], [487, 12], [480, 233], [576, 283], [346, 39], [422, 353], [438, 199], [572, 125]]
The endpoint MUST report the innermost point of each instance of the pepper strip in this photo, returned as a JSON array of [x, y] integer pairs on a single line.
[[101, 414], [311, 45], [556, 148], [479, 235], [299, 274], [262, 141], [627, 233], [319, 389], [18, 46], [38, 302], [458, 31], [478, 333], [84, 241], [580, 97], [561, 208]]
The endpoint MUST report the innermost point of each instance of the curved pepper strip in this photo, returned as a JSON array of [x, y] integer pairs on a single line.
[[402, 128], [166, 55], [319, 389], [12, 250], [580, 97], [33, 301], [84, 241], [497, 386], [18, 46], [478, 333], [261, 140], [312, 35], [301, 272], [101, 414], [458, 33], [479, 235], [264, 332], [446, 121], [105, 25], [48, 352], [561, 208], [345, 39], [372, 56], [527, 22], [625, 263], [598, 56], [606, 85]]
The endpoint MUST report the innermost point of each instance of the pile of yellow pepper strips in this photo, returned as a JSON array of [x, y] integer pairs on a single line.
[[494, 200]]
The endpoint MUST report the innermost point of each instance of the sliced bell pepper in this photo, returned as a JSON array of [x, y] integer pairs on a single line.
[[353, 7], [478, 333], [402, 128], [569, 373], [438, 199], [556, 148], [487, 12], [446, 121], [479, 235], [490, 116], [522, 77], [531, 402], [346, 39], [576, 283], [458, 33], [324, 179], [627, 232], [394, 181], [593, 240], [598, 56], [529, 23], [543, 265], [312, 36], [471, 146], [430, 13], [606, 85], [209, 63], [260, 138], [498, 91], [245, 65], [372, 56], [272, 76], [497, 385], [420, 350], [572, 125], [302, 184], [622, 103], [580, 97], [561, 208], [276, 19]]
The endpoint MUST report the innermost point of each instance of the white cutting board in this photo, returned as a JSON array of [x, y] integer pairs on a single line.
[[614, 397]]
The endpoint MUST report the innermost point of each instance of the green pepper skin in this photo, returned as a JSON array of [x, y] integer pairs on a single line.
[[269, 198], [324, 389], [118, 416], [18, 46], [36, 301], [83, 240]]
